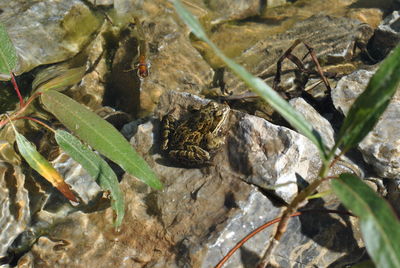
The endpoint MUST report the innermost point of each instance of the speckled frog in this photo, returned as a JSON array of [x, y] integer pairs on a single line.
[[192, 141]]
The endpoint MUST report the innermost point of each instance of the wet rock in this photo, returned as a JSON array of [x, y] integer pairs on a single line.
[[15, 214], [386, 37], [380, 148], [46, 32], [237, 9], [90, 91], [201, 212], [332, 40], [80, 181], [174, 63]]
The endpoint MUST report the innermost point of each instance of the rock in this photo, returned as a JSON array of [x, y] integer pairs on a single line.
[[380, 148], [201, 212], [318, 122], [264, 154], [271, 156], [46, 32], [77, 177], [174, 63], [386, 36], [14, 203], [275, 3], [251, 213], [234, 10], [349, 88], [332, 45]]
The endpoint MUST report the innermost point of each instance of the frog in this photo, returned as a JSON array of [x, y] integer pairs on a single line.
[[194, 140]]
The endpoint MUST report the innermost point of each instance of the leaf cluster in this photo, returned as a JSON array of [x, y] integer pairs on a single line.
[[84, 124]]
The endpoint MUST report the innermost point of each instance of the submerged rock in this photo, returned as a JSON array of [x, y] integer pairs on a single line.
[[15, 214], [234, 10], [47, 32], [332, 41]]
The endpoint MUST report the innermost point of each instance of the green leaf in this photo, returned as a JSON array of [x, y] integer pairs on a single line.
[[57, 78], [379, 225], [96, 167], [369, 106], [364, 264], [256, 84], [100, 135], [8, 55], [42, 166]]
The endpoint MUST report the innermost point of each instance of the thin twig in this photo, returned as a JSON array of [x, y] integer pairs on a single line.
[[269, 223]]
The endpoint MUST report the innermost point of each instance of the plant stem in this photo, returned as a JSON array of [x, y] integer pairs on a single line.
[[21, 100]]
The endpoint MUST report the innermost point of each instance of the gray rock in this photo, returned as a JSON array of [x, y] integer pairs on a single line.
[[381, 147], [349, 88], [267, 155], [252, 213], [271, 156], [318, 122], [386, 36], [80, 181], [46, 32]]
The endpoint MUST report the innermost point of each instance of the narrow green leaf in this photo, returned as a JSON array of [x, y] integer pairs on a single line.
[[100, 135], [379, 225], [57, 78], [369, 106], [8, 55], [256, 84], [96, 167], [42, 166], [364, 264]]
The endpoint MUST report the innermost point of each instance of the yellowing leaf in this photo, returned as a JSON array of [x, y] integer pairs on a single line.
[[42, 166]]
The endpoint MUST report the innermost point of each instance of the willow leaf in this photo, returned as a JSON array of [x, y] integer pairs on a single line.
[[379, 225], [100, 135], [96, 167], [42, 166], [57, 78], [8, 55]]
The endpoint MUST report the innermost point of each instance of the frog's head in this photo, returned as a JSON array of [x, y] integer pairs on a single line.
[[218, 113]]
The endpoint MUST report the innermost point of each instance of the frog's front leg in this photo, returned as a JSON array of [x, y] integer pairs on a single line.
[[214, 142], [191, 153], [167, 130]]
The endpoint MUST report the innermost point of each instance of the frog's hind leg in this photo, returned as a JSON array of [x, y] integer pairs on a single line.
[[191, 154], [167, 130]]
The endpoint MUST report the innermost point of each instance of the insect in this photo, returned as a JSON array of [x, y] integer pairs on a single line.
[[142, 66]]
